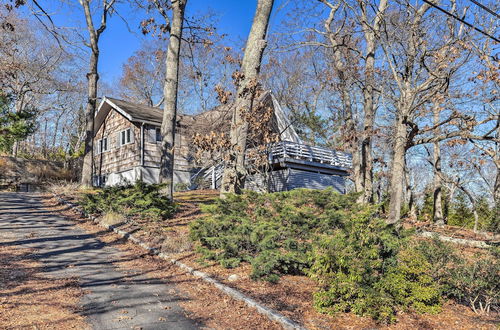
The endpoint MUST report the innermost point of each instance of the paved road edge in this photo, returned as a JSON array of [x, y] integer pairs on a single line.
[[266, 311]]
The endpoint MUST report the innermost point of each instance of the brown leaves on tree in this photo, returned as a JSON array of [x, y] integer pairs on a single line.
[[223, 96]]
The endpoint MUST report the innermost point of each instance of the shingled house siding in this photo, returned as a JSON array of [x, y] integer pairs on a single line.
[[182, 153], [140, 160], [183, 159], [117, 158]]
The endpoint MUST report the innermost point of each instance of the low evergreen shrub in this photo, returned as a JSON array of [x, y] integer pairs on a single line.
[[472, 281], [273, 232], [139, 199], [476, 282], [346, 247], [362, 264], [363, 269]]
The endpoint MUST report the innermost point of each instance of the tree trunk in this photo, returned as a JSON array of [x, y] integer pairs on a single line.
[[410, 196], [92, 78], [234, 171], [437, 211], [170, 97], [371, 35], [496, 160], [397, 171], [351, 132], [474, 207], [88, 158]]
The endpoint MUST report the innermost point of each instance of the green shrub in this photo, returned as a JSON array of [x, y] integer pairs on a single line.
[[411, 284], [494, 221], [134, 200], [476, 283], [346, 247], [273, 231], [441, 259], [471, 281], [361, 269]]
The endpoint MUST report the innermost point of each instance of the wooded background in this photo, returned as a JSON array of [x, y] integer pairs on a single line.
[[409, 90]]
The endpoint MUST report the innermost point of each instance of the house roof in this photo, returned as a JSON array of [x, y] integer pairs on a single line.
[[137, 112], [216, 118]]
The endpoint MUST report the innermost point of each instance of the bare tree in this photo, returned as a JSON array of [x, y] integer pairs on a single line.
[[422, 61], [170, 88], [350, 38], [247, 82], [92, 78], [437, 210], [143, 75], [34, 67]]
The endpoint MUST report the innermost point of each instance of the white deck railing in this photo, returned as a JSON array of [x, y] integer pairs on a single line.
[[286, 149]]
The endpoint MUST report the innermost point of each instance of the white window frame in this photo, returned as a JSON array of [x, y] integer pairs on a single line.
[[100, 145], [123, 136]]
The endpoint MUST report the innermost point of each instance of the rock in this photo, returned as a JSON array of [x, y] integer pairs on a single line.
[[233, 278]]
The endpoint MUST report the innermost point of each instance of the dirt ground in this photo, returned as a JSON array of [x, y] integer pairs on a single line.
[[30, 300], [203, 302], [292, 296]]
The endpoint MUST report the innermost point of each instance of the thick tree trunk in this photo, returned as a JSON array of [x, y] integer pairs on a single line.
[[397, 171], [366, 164], [371, 37], [410, 196], [351, 132], [234, 172], [437, 212], [92, 78], [170, 97], [88, 158]]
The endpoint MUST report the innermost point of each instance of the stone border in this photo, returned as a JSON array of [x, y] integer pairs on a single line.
[[266, 311]]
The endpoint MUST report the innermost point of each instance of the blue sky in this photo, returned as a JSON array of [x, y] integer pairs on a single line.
[[117, 43]]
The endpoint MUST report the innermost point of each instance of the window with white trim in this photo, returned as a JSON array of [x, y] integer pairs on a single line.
[[125, 137], [102, 145]]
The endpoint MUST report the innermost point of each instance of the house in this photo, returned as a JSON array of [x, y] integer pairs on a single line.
[[127, 149]]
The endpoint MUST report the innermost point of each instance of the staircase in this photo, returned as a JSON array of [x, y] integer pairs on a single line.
[[210, 177]]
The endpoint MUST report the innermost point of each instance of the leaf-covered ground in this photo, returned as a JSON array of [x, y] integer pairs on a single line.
[[31, 300], [292, 296]]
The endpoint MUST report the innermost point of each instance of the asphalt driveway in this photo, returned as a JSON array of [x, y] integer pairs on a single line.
[[67, 251]]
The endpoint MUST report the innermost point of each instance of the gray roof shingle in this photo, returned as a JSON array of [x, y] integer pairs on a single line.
[[139, 112]]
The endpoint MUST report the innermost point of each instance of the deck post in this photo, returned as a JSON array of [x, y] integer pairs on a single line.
[[213, 178]]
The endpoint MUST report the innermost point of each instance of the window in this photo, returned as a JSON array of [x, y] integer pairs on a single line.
[[99, 180], [125, 137], [102, 145], [158, 135]]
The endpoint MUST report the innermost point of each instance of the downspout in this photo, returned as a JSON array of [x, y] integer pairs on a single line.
[[142, 150], [142, 144]]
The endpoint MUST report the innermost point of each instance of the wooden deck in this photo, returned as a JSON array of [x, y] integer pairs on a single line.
[[294, 155], [291, 150]]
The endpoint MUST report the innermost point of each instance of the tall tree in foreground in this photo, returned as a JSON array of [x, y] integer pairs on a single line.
[[247, 84], [170, 89], [92, 78]]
